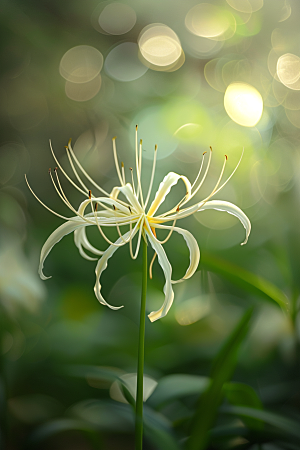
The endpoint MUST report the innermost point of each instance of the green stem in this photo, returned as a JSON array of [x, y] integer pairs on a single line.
[[141, 351]]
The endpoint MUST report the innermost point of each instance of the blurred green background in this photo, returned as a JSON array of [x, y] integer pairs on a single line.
[[191, 75]]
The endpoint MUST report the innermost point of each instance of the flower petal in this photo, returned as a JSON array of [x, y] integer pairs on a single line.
[[129, 194], [193, 248], [231, 209], [164, 188], [55, 237], [102, 265], [167, 269], [81, 242]]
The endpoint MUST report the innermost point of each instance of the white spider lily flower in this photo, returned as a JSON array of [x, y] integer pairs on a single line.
[[131, 213]]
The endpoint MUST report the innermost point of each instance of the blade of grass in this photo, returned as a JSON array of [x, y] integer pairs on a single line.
[[222, 370], [246, 279]]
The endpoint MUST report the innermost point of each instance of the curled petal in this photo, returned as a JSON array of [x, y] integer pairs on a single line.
[[55, 237], [129, 194], [193, 248], [167, 269], [164, 188], [82, 242], [102, 265], [231, 209]]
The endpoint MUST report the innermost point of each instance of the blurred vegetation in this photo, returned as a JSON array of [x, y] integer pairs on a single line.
[[224, 362]]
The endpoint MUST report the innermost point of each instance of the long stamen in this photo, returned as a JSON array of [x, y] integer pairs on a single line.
[[61, 192], [225, 182], [123, 173], [103, 234], [65, 174], [219, 180], [116, 161], [200, 170], [138, 163], [203, 178], [118, 228], [169, 234], [151, 265], [75, 171], [84, 172], [184, 200], [47, 207], [134, 256], [152, 176], [132, 180], [65, 199]]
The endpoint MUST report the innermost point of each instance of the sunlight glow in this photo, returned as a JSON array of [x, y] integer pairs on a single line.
[[159, 45], [288, 70], [244, 104]]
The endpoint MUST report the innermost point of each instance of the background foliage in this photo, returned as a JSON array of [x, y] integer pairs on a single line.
[[227, 375]]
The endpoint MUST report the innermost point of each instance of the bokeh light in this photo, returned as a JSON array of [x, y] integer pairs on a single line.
[[246, 6], [159, 45], [117, 18], [211, 22], [81, 64], [81, 92], [122, 62], [244, 104], [288, 70]]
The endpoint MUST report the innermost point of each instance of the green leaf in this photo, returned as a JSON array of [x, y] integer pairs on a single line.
[[54, 427], [223, 368], [127, 394], [246, 279], [171, 387], [240, 394], [283, 424], [158, 430], [102, 374]]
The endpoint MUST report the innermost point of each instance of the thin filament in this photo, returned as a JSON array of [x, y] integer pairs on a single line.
[[45, 206], [132, 180], [84, 172], [200, 170], [151, 265], [116, 161], [65, 174], [152, 176], [123, 172], [138, 242], [225, 182], [169, 234], [138, 167], [103, 234], [75, 171]]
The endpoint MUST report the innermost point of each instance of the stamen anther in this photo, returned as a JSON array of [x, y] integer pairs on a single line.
[[96, 207], [49, 171], [203, 153], [155, 148], [90, 194], [226, 157], [210, 148]]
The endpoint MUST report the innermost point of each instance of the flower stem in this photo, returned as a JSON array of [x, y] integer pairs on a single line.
[[141, 351]]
